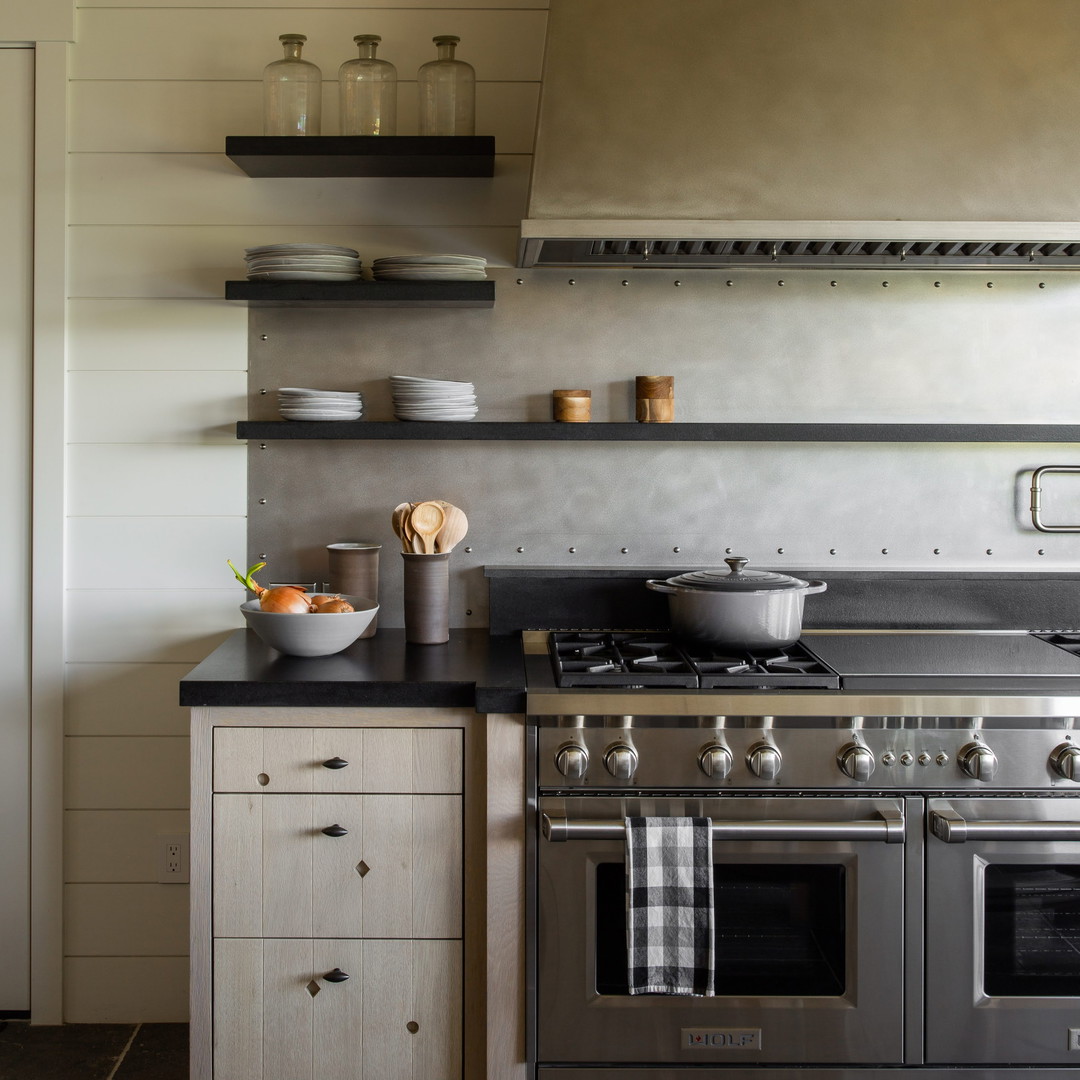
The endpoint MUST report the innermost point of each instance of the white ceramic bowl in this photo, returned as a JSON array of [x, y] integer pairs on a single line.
[[310, 635]]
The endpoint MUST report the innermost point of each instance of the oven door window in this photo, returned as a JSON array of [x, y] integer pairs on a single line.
[[1032, 944], [779, 929]]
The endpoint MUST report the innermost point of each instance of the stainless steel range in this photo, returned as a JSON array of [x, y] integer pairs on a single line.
[[896, 849]]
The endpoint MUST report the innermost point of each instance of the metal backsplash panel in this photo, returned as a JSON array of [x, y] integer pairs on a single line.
[[958, 348]]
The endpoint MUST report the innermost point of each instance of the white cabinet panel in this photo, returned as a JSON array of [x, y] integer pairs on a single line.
[[174, 189], [155, 406], [193, 481], [119, 552], [122, 334], [394, 872], [223, 43]]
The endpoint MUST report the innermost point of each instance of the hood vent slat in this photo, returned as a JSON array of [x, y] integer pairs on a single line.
[[808, 253]]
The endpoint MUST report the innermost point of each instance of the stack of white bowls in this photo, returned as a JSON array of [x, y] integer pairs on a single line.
[[430, 268], [301, 403], [302, 262], [432, 399]]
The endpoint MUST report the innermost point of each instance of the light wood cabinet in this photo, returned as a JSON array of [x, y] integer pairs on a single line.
[[337, 902]]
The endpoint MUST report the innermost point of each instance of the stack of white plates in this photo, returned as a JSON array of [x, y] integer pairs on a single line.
[[432, 399], [302, 262], [301, 403], [430, 268]]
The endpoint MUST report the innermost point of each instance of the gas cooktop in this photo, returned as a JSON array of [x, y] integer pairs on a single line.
[[952, 661]]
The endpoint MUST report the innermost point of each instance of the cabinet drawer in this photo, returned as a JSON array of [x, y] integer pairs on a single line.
[[407, 760], [277, 1016], [395, 872]]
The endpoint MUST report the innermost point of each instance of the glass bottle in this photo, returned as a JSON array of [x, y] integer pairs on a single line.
[[292, 92], [447, 90], [367, 88]]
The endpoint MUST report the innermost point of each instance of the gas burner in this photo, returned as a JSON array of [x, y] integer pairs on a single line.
[[614, 659]]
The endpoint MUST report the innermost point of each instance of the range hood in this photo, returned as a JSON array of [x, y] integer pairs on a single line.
[[802, 133]]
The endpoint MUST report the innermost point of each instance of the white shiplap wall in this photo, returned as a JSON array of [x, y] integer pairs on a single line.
[[157, 378]]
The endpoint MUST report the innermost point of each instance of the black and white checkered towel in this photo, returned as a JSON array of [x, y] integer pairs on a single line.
[[669, 905]]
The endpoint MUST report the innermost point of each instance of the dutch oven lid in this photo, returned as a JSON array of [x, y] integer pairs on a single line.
[[738, 579]]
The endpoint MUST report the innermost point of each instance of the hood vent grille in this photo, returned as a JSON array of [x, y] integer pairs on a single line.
[[824, 253]]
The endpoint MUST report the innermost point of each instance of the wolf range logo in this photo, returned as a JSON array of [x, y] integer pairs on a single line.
[[721, 1038]]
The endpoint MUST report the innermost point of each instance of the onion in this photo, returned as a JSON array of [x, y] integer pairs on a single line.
[[332, 606], [285, 600]]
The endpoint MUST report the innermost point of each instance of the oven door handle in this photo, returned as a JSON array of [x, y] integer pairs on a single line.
[[889, 827], [953, 828]]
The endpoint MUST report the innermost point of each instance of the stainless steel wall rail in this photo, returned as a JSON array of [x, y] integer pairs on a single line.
[[557, 828], [1036, 498]]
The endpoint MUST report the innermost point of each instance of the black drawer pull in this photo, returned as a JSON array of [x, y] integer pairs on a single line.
[[336, 976], [335, 763], [335, 830]]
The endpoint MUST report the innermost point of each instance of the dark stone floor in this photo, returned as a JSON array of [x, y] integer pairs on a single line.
[[93, 1051]]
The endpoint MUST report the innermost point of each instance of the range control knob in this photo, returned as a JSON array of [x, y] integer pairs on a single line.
[[1065, 760], [715, 761], [764, 760], [572, 759], [855, 761], [978, 761], [621, 761]]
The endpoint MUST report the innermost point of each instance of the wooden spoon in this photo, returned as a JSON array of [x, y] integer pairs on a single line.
[[397, 519], [426, 520], [455, 526]]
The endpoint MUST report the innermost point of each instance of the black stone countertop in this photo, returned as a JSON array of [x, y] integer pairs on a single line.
[[473, 669]]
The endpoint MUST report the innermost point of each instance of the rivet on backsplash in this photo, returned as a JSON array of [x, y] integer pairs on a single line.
[[468, 550], [729, 283], [1042, 551], [989, 551], [264, 337], [937, 551], [625, 282], [989, 284], [728, 551], [834, 283], [677, 283], [832, 551], [468, 611], [262, 390], [676, 549], [262, 446], [520, 281], [262, 554], [262, 502], [780, 282], [1042, 284], [779, 551], [572, 281], [625, 551], [521, 551], [937, 284], [884, 551], [572, 550], [884, 284]]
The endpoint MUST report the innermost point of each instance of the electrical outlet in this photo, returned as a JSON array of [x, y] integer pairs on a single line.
[[172, 860]]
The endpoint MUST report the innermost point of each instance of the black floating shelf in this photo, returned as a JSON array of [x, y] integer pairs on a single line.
[[457, 294], [363, 155], [513, 431]]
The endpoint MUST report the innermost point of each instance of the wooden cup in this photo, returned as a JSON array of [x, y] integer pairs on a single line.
[[655, 398], [572, 406]]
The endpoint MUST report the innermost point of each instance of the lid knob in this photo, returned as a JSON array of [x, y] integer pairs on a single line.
[[736, 562]]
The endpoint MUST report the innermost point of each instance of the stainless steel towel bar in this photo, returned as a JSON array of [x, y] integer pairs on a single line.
[[1036, 498], [889, 829], [955, 829]]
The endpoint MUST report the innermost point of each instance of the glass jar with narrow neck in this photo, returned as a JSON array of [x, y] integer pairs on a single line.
[[367, 88], [447, 89], [292, 92]]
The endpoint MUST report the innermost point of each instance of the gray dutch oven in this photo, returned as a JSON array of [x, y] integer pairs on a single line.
[[742, 609]]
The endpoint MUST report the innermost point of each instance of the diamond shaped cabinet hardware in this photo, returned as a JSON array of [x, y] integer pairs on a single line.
[[335, 763], [313, 988], [336, 976], [335, 830], [362, 868]]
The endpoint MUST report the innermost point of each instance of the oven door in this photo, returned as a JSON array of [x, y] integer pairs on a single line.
[[1003, 931], [809, 935]]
